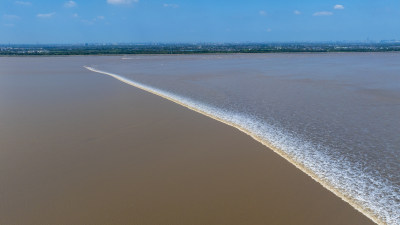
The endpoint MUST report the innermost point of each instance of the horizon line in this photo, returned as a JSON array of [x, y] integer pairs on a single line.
[[206, 42]]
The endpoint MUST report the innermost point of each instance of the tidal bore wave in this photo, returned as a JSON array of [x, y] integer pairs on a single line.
[[373, 196]]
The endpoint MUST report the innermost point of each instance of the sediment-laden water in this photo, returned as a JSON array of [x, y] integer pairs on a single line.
[[335, 116]]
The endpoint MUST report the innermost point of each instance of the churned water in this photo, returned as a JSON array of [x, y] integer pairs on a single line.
[[335, 116]]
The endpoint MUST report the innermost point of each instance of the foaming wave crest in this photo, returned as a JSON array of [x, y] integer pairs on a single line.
[[373, 196]]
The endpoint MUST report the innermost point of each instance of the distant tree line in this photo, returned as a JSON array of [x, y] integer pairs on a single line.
[[121, 49]]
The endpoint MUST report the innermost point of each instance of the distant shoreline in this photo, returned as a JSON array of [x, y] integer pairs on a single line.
[[188, 49], [208, 53]]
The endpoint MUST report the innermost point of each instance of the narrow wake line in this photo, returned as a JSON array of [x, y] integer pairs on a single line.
[[205, 110]]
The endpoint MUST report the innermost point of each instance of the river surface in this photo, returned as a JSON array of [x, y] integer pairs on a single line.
[[336, 116]]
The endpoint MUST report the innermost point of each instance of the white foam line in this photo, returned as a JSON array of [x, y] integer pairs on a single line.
[[249, 126]]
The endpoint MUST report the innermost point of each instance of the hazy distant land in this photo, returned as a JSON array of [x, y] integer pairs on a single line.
[[181, 48]]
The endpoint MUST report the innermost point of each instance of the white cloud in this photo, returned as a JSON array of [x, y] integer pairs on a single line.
[[69, 4], [338, 7], [262, 13], [75, 15], [323, 13], [296, 12], [23, 3], [100, 17], [171, 5], [11, 17], [269, 30], [45, 15], [9, 25], [121, 2]]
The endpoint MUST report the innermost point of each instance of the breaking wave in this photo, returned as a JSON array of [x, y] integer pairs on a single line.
[[373, 196]]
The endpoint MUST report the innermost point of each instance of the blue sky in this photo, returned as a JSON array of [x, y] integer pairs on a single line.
[[116, 21]]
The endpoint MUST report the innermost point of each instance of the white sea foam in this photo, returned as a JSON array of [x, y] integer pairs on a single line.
[[373, 196]]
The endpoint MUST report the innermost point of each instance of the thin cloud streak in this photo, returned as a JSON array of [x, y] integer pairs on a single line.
[[323, 13], [23, 3], [121, 2], [70, 4], [45, 15], [338, 7], [93, 21]]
